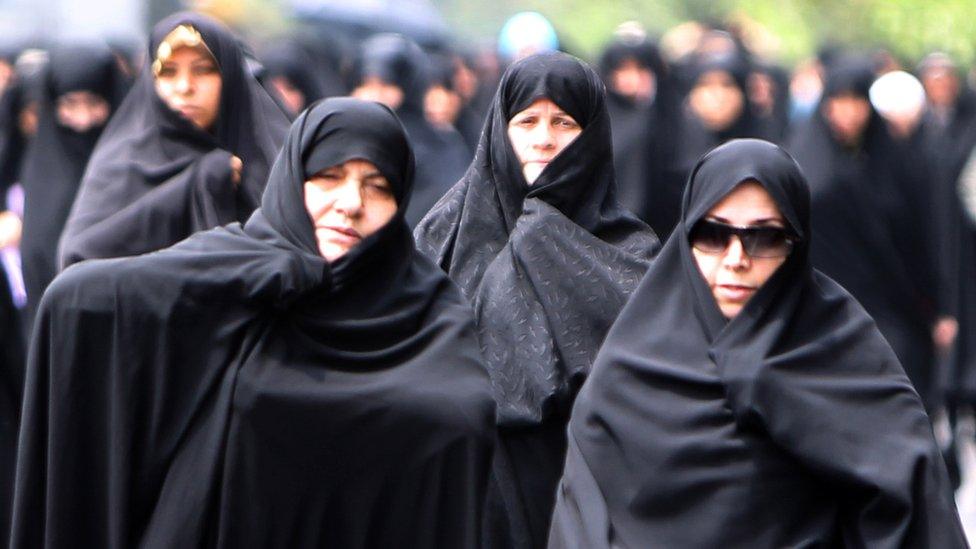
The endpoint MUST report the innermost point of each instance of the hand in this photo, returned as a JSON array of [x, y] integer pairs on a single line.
[[944, 332], [10, 228], [236, 169]]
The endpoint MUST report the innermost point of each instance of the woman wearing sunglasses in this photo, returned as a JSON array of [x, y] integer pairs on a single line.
[[743, 399]]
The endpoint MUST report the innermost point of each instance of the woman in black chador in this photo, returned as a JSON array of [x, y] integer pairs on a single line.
[[535, 237], [188, 150], [80, 91], [743, 399], [306, 380], [871, 213]]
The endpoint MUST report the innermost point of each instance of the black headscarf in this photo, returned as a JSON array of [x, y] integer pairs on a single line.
[[441, 153], [692, 427], [57, 157], [305, 408], [547, 266], [871, 221], [295, 62], [155, 178]]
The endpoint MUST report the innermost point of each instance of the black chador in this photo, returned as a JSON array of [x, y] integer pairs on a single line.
[[237, 390], [156, 178]]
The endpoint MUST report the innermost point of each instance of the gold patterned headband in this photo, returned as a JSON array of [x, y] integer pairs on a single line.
[[183, 36]]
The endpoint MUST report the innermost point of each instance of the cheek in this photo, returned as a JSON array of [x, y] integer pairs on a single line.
[[566, 138], [378, 215], [210, 86], [517, 137], [765, 268], [707, 265], [317, 201]]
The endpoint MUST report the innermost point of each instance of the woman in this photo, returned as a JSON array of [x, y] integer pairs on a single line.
[[535, 237], [78, 96], [306, 380], [872, 204], [743, 399], [188, 150], [715, 110]]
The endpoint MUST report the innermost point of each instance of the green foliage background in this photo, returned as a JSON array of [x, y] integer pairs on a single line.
[[909, 28]]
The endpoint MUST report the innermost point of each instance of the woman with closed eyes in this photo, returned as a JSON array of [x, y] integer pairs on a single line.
[[743, 399], [307, 379]]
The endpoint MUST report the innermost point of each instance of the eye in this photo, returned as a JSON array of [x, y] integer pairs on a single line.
[[167, 71], [566, 123], [378, 185], [203, 69], [525, 121]]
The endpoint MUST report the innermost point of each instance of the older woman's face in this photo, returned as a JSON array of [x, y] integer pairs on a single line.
[[538, 134], [348, 202], [732, 275], [189, 82]]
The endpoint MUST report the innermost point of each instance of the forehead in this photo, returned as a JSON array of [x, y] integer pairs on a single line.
[[358, 165], [747, 203], [543, 104]]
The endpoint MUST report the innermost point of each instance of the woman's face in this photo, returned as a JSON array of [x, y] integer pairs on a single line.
[[848, 115], [538, 134], [716, 100], [733, 275], [82, 110], [189, 82], [348, 202]]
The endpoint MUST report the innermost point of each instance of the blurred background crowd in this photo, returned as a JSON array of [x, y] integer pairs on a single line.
[[874, 99]]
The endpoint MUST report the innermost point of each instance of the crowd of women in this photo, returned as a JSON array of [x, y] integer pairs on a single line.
[[388, 296]]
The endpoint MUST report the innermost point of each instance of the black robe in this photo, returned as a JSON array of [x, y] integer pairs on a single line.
[[56, 159], [872, 225], [791, 425], [155, 178], [236, 390], [547, 267], [441, 153]]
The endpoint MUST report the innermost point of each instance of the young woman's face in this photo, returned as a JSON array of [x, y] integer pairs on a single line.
[[538, 134], [189, 82], [348, 202], [732, 274]]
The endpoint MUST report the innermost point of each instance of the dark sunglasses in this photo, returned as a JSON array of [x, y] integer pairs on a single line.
[[712, 237]]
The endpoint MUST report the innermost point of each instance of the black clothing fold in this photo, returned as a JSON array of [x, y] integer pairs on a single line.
[[155, 178], [57, 156], [759, 431], [236, 390], [547, 267]]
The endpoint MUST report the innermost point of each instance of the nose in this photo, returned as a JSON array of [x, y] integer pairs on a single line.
[[735, 255], [184, 84], [349, 200], [542, 136]]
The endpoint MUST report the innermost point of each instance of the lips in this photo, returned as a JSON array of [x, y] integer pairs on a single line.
[[346, 234], [734, 292]]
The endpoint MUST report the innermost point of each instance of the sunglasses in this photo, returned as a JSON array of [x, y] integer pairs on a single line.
[[712, 237]]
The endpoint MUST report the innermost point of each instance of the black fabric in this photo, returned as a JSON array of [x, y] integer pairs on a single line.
[[13, 142], [442, 155], [791, 425], [547, 267], [57, 157], [686, 138], [871, 222], [155, 178], [236, 390]]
